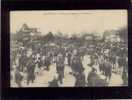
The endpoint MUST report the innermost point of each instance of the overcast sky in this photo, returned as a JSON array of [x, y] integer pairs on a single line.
[[69, 22]]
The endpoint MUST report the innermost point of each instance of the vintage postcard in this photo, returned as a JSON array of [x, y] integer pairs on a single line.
[[69, 48]]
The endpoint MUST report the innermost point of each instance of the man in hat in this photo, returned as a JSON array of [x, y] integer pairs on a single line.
[[60, 66], [92, 76], [31, 69]]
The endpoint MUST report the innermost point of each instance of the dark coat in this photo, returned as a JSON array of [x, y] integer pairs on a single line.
[[107, 69], [31, 69], [95, 80], [77, 65], [60, 65], [18, 77], [80, 80], [47, 61]]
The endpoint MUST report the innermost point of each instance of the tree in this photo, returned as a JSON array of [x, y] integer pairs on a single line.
[[123, 34]]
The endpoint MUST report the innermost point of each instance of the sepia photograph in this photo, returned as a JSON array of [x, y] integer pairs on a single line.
[[68, 48]]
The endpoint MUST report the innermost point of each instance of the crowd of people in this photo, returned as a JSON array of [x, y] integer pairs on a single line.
[[110, 59]]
